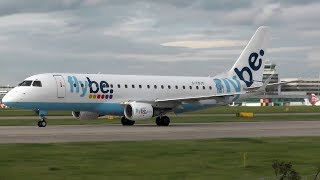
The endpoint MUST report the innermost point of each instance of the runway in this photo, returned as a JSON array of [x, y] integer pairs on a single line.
[[81, 133]]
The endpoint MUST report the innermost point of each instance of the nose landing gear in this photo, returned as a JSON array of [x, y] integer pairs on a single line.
[[42, 122]]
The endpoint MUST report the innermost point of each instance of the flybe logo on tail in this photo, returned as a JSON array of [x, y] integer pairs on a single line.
[[101, 90], [252, 60]]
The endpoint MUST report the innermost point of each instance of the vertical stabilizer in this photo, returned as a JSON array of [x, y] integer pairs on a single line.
[[249, 66]]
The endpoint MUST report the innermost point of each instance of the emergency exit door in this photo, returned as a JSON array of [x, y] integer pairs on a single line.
[[61, 86]]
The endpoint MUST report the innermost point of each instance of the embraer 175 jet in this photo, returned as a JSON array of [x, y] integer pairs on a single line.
[[135, 97]]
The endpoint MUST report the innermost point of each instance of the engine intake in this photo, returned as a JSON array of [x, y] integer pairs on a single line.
[[138, 111]]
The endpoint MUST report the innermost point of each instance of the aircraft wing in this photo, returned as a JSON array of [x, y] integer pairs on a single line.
[[198, 98]]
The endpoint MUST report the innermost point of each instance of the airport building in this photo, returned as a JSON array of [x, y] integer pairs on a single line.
[[296, 92]]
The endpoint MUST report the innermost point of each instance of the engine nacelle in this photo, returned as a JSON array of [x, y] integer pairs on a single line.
[[138, 111], [85, 115]]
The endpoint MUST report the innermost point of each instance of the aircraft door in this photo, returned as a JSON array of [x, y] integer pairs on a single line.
[[61, 86]]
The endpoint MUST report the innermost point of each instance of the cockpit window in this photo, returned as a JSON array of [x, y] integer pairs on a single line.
[[37, 83], [25, 83]]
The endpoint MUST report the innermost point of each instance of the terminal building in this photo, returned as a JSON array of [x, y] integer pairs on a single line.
[[296, 91]]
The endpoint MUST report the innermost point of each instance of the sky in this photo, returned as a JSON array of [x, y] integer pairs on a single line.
[[167, 37]]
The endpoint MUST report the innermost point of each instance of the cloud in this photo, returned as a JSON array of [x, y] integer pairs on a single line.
[[131, 26], [30, 19], [206, 44], [174, 37]]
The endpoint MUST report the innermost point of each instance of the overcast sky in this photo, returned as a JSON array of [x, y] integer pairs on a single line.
[[165, 37]]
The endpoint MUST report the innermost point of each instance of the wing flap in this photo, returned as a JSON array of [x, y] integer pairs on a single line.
[[197, 98]]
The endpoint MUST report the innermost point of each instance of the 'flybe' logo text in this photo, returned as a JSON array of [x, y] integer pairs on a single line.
[[101, 90], [253, 58]]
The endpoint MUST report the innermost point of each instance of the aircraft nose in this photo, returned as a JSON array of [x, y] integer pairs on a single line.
[[8, 99]]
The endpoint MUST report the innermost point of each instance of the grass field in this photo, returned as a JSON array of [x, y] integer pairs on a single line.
[[200, 119], [19, 112], [216, 110], [193, 159], [260, 109]]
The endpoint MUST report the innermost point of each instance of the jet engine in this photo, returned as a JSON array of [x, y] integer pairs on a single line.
[[138, 111], [85, 115]]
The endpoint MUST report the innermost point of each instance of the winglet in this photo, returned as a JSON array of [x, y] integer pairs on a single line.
[[265, 84], [260, 88]]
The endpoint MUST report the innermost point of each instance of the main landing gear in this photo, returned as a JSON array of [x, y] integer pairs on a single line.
[[42, 122], [163, 121], [127, 122], [160, 121]]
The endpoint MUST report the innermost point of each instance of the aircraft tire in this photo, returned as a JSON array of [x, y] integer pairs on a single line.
[[42, 123], [165, 121], [158, 121], [126, 122]]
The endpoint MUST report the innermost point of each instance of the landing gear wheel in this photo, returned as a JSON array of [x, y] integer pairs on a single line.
[[159, 121], [127, 122], [163, 121], [42, 123]]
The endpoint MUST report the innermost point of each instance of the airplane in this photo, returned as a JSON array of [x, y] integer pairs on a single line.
[[140, 97], [314, 100]]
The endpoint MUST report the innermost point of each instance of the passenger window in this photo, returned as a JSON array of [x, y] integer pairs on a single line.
[[162, 86], [190, 87], [210, 87], [203, 87], [183, 87], [25, 83], [197, 87], [155, 86], [169, 87], [126, 86], [140, 86], [37, 84], [119, 86], [176, 87], [148, 86], [74, 85], [132, 86]]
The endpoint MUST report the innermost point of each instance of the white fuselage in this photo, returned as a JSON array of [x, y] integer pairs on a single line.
[[109, 93]]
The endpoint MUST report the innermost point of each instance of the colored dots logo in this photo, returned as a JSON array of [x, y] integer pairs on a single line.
[[100, 96]]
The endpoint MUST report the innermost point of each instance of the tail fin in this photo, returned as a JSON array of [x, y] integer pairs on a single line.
[[250, 64], [314, 99]]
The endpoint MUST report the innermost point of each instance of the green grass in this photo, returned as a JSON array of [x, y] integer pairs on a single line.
[[192, 159], [216, 110], [201, 119], [27, 122], [19, 112], [263, 109]]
